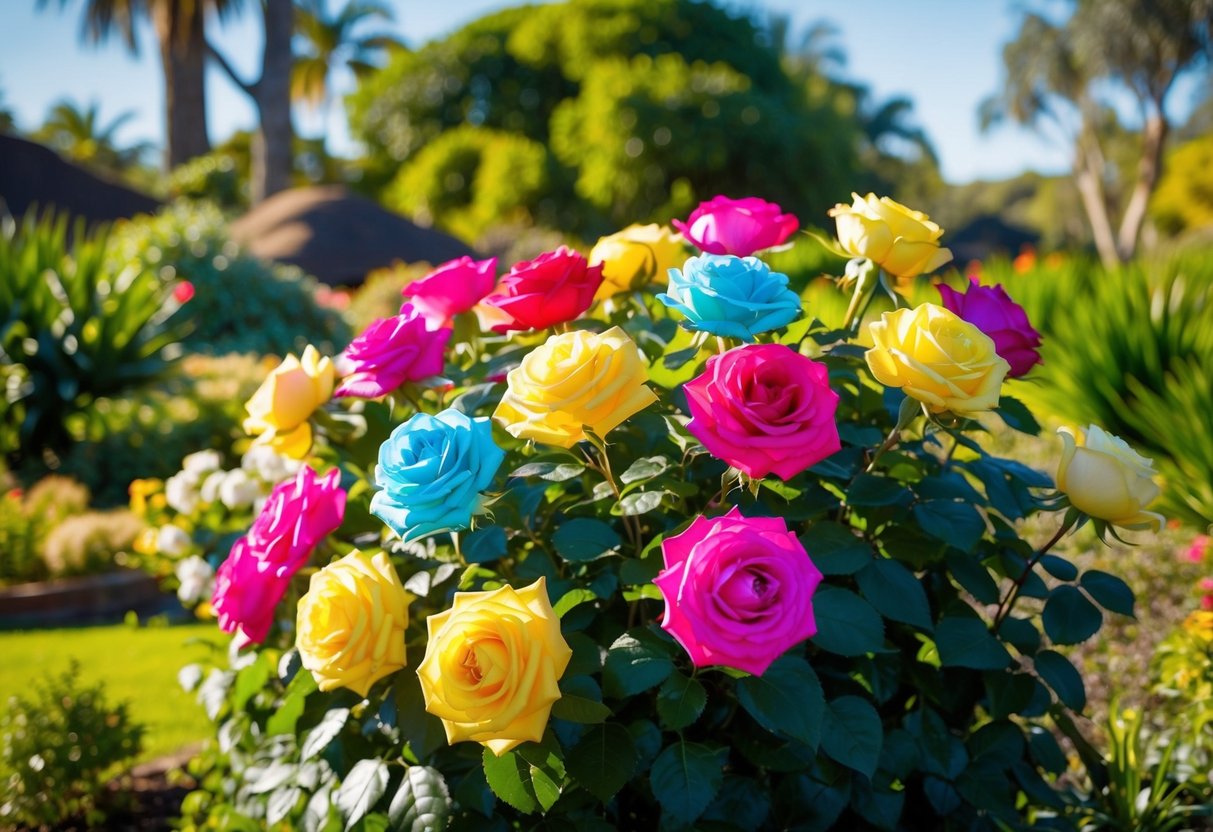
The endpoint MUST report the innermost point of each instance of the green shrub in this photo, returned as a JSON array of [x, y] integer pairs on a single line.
[[75, 325], [240, 303], [213, 178], [27, 518], [55, 747], [87, 544]]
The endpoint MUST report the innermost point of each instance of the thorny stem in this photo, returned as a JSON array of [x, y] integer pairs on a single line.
[[603, 466], [1007, 604]]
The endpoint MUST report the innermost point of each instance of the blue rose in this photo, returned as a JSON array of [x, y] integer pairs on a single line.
[[432, 470], [733, 297]]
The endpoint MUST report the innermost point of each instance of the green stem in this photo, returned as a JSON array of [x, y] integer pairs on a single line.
[[1007, 604], [604, 467], [905, 415]]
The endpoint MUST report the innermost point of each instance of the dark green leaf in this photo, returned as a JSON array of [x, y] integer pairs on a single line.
[[851, 733], [1109, 591], [484, 545], [958, 524], [869, 490], [638, 502], [786, 700], [1059, 567], [676, 359], [422, 803], [1020, 632], [846, 624], [551, 471], [529, 785], [835, 550], [680, 701], [579, 709], [1069, 618], [1061, 676], [603, 760], [583, 539], [361, 790], [1017, 416], [685, 778], [965, 642], [895, 592], [637, 661], [948, 486], [973, 576]]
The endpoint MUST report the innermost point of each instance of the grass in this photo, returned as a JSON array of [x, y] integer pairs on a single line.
[[138, 665]]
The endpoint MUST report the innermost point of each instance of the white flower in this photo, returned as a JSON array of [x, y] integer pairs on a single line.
[[172, 540], [197, 580], [238, 489], [268, 464], [181, 492], [211, 486], [202, 462]]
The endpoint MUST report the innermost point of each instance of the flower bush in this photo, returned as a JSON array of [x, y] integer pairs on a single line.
[[621, 568]]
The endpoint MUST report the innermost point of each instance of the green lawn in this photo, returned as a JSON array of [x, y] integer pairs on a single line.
[[137, 665]]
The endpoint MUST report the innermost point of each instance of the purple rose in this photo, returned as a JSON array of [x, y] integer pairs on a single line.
[[991, 310]]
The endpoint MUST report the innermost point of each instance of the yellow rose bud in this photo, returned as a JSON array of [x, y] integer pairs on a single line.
[[279, 410], [902, 241], [492, 665], [937, 358], [636, 257], [351, 622], [1106, 479], [575, 380]]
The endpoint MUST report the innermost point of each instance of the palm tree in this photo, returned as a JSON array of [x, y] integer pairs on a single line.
[[180, 31], [327, 42], [79, 134]]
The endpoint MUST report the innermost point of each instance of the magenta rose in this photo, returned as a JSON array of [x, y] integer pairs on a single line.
[[738, 591], [389, 353], [454, 287], [737, 226], [764, 408], [554, 288], [991, 310], [297, 515]]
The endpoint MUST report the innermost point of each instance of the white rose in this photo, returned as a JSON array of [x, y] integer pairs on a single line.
[[202, 462], [211, 486], [172, 540], [196, 578], [181, 492], [238, 489], [269, 465]]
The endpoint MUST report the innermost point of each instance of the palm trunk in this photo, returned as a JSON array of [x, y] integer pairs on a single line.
[[183, 59], [1154, 137], [272, 146], [1088, 176]]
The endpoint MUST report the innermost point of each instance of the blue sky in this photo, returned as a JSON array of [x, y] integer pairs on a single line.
[[944, 54]]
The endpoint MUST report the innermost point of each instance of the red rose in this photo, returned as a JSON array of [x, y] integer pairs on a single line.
[[554, 288]]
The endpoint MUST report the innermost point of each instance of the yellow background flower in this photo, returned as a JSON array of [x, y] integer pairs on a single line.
[[351, 622], [937, 358], [636, 257], [902, 241], [1106, 479], [279, 410], [573, 380], [492, 665]]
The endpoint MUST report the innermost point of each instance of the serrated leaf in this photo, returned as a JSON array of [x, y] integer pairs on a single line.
[[786, 700], [603, 760], [895, 592], [680, 701], [835, 550], [422, 803], [870, 491], [584, 539], [685, 778], [361, 790], [851, 733], [484, 545], [529, 786], [638, 502], [551, 471], [1109, 591], [319, 737], [637, 661], [645, 468], [579, 709], [846, 624], [1017, 416], [965, 642], [958, 524], [572, 599]]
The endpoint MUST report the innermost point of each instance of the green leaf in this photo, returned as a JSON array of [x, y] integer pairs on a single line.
[[579, 709], [835, 550], [318, 738], [422, 803], [638, 502], [603, 760], [846, 624], [483, 545], [1009, 693], [1017, 416], [572, 599], [361, 790], [529, 785], [1059, 567], [1021, 633], [1068, 616], [645, 468], [680, 701], [895, 592], [786, 700], [637, 661], [973, 576], [1062, 677], [958, 524], [872, 491], [583, 539], [851, 733], [965, 642], [1109, 591], [281, 803], [284, 719], [685, 778], [551, 471], [249, 681]]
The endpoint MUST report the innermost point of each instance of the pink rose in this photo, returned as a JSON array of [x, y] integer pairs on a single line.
[[554, 288], [298, 514], [737, 226], [454, 287], [738, 591], [764, 408], [1199, 548], [991, 310], [390, 352]]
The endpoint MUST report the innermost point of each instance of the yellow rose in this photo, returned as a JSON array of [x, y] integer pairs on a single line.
[[351, 622], [902, 241], [635, 257], [491, 666], [1199, 624], [279, 410], [937, 358], [575, 380], [1106, 479]]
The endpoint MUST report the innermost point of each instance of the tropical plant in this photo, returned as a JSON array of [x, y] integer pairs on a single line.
[[80, 135]]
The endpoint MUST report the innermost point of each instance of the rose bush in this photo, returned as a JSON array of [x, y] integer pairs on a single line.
[[670, 581]]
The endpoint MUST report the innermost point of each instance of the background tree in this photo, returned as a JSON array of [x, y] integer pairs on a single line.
[[180, 33], [1054, 74], [79, 134], [325, 43]]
